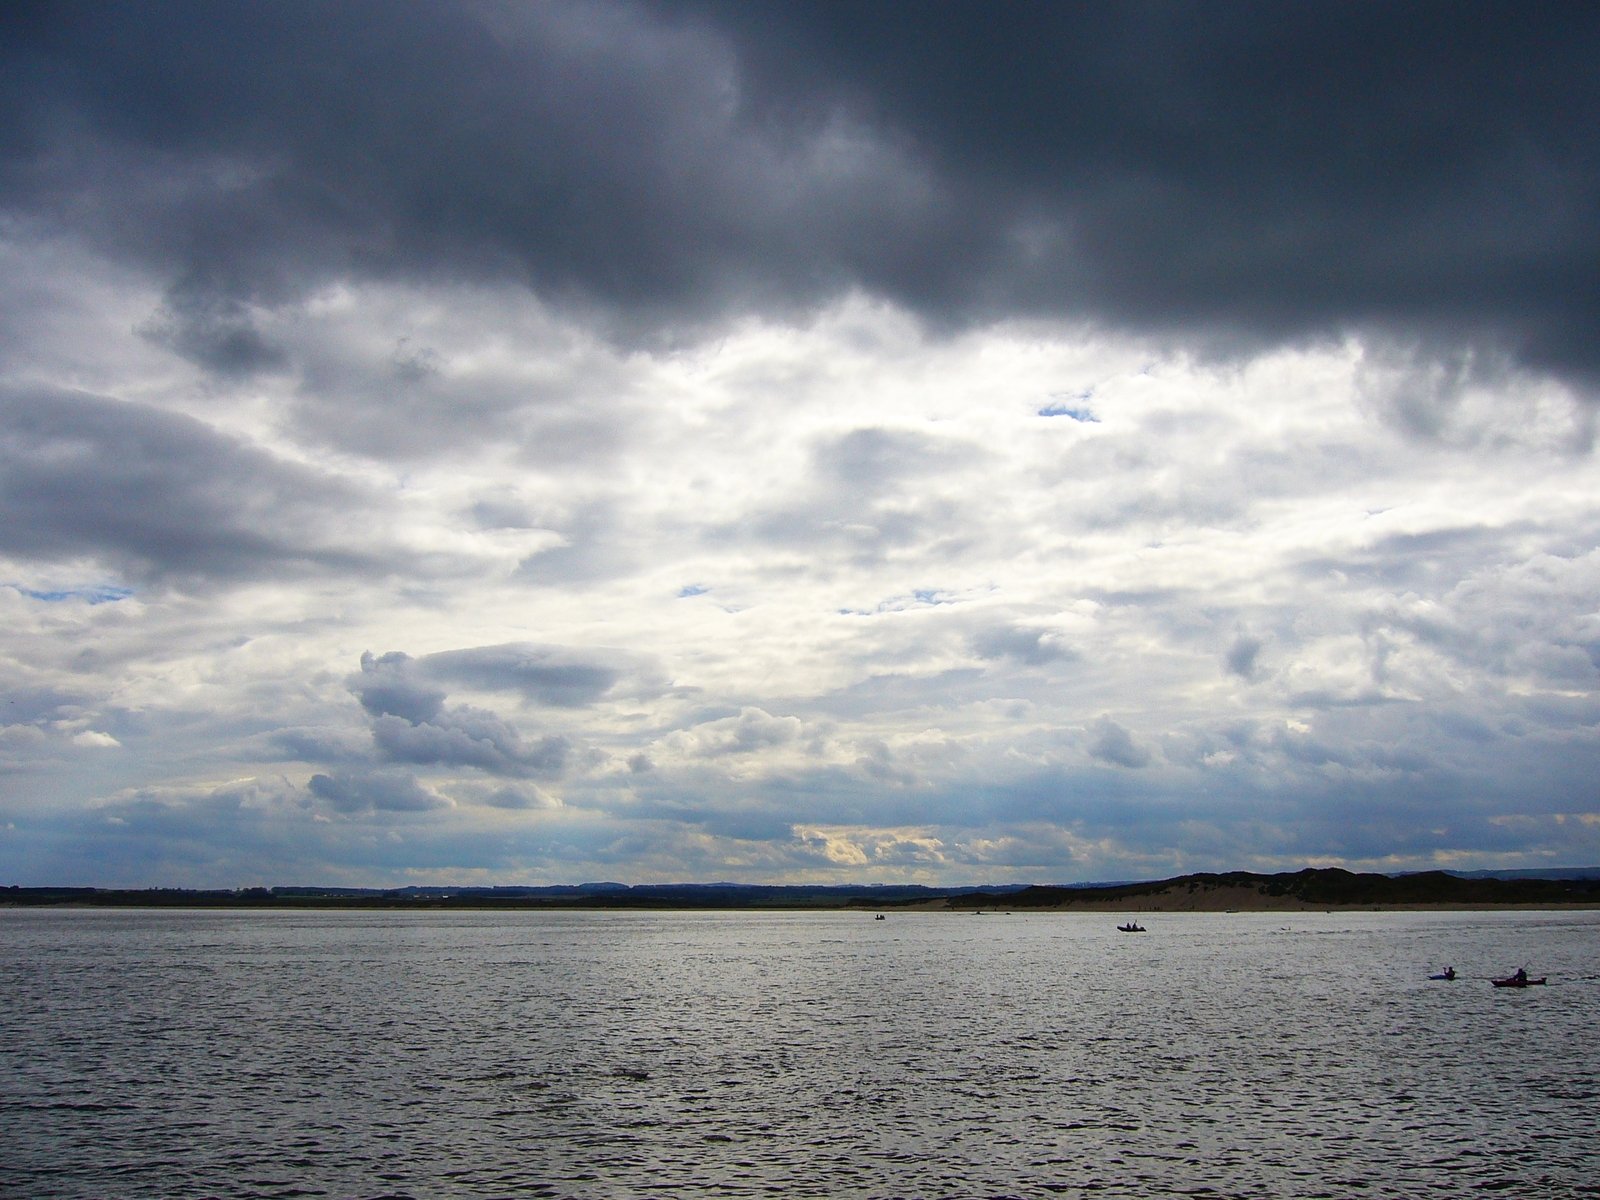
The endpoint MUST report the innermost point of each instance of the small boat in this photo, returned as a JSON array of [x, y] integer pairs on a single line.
[[879, 917], [1132, 927], [1520, 979], [1447, 973]]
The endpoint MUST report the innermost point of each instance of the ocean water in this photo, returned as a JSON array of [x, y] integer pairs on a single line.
[[593, 1055]]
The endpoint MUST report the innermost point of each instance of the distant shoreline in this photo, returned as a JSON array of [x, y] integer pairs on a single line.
[[1247, 901], [996, 908], [1309, 890]]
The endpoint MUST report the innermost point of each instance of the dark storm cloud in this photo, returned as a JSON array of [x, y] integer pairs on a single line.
[[1249, 171], [255, 149], [159, 495], [1257, 168]]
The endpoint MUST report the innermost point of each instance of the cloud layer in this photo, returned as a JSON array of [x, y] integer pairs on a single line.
[[668, 441]]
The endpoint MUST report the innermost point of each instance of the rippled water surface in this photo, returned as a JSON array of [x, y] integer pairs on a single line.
[[257, 1054]]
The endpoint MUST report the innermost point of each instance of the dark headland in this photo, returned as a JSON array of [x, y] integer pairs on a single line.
[[1240, 891], [1313, 888]]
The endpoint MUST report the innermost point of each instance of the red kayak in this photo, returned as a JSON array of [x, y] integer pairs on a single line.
[[1516, 982]]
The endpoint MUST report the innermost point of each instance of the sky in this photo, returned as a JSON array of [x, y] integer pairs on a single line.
[[502, 443]]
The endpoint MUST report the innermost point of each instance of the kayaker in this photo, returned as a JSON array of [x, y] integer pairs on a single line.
[[1522, 975], [1449, 972]]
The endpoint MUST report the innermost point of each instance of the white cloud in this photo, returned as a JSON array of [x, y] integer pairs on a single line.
[[91, 737], [630, 549], [1196, 575], [752, 731]]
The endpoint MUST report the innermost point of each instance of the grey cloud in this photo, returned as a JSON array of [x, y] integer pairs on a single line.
[[502, 509], [1464, 396], [867, 460], [264, 831], [1241, 658], [872, 493], [1313, 751], [541, 674], [213, 331], [270, 832], [597, 547], [468, 737], [591, 150], [555, 676], [903, 693], [879, 763], [411, 722], [418, 231], [374, 791], [161, 496], [561, 400], [29, 705], [512, 796], [831, 529], [1114, 744], [314, 745], [708, 817], [387, 686], [1261, 173], [1521, 619], [1032, 647], [1267, 168], [1426, 562], [1366, 696]]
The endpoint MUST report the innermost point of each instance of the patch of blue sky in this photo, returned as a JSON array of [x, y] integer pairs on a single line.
[[1076, 406], [919, 598], [93, 594]]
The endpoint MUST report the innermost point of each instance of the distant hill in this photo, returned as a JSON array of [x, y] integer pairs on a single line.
[[1542, 873], [1328, 887]]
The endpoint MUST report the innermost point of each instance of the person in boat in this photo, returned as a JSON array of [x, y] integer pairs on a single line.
[[1522, 975], [1449, 972]]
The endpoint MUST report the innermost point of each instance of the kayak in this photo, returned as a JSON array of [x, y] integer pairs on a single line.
[[1515, 982]]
